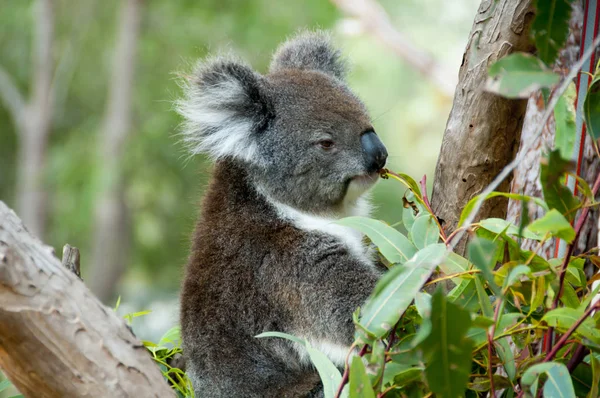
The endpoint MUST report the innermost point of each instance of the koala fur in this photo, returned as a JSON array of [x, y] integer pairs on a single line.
[[266, 254]]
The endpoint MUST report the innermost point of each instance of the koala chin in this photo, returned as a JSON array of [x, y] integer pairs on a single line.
[[294, 150]]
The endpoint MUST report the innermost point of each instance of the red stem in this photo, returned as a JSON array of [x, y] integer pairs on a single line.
[[346, 375], [565, 264]]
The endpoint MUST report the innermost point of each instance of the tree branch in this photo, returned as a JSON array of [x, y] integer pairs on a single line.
[[56, 338]]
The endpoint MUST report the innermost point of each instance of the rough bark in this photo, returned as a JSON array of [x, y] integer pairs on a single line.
[[482, 132], [109, 254], [34, 126], [526, 178], [56, 338]]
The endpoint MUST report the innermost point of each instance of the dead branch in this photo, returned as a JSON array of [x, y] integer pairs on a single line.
[[56, 338]]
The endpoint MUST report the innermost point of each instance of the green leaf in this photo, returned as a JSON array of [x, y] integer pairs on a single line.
[[554, 223], [591, 108], [519, 75], [394, 293], [465, 295], [281, 335], [407, 376], [171, 336], [499, 225], [515, 274], [484, 299], [556, 194], [506, 357], [360, 385], [329, 373], [411, 183], [563, 318], [423, 304], [469, 207], [596, 377], [481, 253], [4, 384], [564, 119], [394, 246], [558, 384], [550, 27], [569, 296], [446, 350], [424, 231]]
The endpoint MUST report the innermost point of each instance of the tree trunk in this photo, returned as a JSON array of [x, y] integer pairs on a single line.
[[56, 338], [35, 128], [109, 254], [483, 125]]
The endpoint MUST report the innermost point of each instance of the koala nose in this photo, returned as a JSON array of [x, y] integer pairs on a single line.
[[374, 151]]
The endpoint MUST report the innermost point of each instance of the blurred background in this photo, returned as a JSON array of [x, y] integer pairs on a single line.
[[89, 153]]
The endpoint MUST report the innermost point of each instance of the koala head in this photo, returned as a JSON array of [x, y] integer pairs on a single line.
[[304, 138]]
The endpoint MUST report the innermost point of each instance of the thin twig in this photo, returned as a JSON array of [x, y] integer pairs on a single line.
[[525, 149], [346, 375]]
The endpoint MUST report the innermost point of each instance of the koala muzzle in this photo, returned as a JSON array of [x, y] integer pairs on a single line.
[[374, 151]]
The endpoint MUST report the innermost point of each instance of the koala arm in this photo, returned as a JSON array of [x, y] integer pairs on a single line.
[[329, 284]]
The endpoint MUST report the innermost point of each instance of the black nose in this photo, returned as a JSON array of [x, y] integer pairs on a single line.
[[374, 151]]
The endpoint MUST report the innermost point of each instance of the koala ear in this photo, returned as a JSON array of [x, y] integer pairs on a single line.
[[310, 51], [225, 107]]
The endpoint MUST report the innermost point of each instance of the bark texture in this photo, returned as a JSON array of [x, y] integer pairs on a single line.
[[482, 133], [56, 338], [111, 229]]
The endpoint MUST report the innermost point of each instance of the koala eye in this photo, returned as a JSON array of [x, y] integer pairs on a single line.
[[326, 144]]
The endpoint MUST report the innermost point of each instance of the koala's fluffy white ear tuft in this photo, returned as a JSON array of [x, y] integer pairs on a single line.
[[310, 51], [224, 107]]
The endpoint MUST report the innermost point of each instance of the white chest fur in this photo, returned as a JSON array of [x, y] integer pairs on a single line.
[[351, 238]]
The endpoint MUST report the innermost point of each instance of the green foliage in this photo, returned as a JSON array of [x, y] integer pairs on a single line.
[[564, 119], [591, 106], [550, 27], [446, 349], [519, 75], [556, 194]]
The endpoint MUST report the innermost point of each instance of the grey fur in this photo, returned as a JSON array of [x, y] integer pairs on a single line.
[[266, 255]]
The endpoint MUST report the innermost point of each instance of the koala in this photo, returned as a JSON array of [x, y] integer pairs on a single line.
[[294, 151]]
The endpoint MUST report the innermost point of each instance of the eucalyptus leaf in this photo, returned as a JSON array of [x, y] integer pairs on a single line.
[[360, 384], [424, 231], [481, 254], [563, 318], [446, 350], [556, 194], [550, 27], [555, 224], [591, 108], [564, 121], [471, 204], [558, 384], [519, 75], [393, 295], [394, 246]]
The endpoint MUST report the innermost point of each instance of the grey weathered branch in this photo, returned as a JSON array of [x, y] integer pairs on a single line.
[[482, 132], [374, 19], [56, 338]]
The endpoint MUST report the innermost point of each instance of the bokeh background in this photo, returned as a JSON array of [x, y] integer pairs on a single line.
[[157, 186]]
